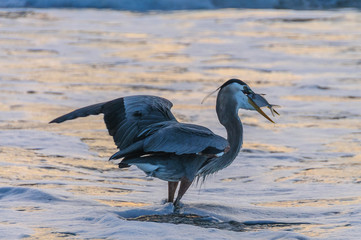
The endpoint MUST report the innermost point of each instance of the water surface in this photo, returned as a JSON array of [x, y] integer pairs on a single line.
[[299, 178]]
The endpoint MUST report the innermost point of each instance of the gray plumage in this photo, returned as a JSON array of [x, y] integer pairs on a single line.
[[149, 136], [145, 125]]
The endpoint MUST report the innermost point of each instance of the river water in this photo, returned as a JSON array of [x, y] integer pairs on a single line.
[[299, 178]]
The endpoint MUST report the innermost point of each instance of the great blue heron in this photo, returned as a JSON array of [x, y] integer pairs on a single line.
[[150, 137]]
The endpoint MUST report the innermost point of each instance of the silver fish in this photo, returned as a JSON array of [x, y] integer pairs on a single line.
[[262, 102]]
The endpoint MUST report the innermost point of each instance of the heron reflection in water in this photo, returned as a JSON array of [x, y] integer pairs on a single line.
[[149, 136]]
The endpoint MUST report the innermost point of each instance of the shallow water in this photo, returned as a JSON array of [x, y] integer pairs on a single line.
[[299, 178]]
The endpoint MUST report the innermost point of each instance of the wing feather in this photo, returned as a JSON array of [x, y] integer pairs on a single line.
[[180, 138], [126, 117], [81, 112]]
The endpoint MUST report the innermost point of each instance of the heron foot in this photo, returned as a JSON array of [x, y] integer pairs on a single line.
[[176, 207], [184, 185]]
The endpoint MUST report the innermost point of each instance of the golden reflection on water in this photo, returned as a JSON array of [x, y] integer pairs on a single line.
[[98, 190], [318, 98], [296, 36], [114, 203], [344, 170], [310, 122], [316, 51], [313, 202], [44, 233], [269, 147], [273, 78], [346, 146], [316, 230], [22, 167], [162, 47]]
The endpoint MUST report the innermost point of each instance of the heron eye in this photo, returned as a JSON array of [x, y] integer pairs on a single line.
[[246, 90]]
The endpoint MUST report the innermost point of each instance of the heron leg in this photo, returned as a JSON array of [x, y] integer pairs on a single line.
[[172, 186], [185, 184]]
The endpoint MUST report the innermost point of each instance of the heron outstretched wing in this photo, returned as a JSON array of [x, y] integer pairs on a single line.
[[144, 124], [126, 117]]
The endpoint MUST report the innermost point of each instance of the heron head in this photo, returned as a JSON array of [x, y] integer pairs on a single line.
[[240, 93]]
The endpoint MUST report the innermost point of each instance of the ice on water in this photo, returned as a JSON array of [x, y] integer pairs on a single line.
[[299, 178]]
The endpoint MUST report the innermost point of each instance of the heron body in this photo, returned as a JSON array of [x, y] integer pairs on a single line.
[[149, 136]]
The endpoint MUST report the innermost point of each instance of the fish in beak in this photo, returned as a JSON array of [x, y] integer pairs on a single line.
[[257, 101]]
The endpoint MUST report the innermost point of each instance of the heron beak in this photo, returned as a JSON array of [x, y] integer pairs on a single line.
[[259, 109]]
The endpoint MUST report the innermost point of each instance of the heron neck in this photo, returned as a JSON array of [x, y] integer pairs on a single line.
[[234, 136], [234, 128]]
